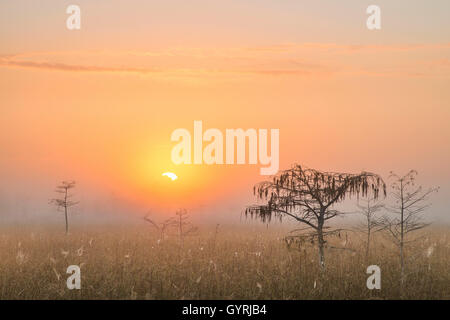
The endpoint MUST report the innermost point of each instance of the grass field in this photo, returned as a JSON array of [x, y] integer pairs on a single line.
[[242, 262]]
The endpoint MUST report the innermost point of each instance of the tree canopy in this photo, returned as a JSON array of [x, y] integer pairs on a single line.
[[304, 193]]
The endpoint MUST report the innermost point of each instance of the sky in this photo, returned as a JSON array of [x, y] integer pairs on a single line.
[[98, 105]]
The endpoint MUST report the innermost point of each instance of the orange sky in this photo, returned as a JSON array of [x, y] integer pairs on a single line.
[[98, 105]]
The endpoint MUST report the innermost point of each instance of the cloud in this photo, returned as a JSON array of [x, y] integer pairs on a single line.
[[349, 48], [291, 59], [68, 67], [182, 64]]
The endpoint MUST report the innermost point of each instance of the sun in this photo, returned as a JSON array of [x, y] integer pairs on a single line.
[[170, 175]]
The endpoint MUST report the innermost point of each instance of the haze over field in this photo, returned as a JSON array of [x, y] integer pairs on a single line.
[[98, 105]]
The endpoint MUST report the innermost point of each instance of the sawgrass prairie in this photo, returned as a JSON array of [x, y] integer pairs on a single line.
[[231, 262]]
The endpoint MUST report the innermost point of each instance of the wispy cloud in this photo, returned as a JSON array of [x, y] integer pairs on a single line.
[[69, 67], [303, 59], [349, 48]]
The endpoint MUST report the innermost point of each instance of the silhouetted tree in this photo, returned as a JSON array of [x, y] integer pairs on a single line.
[[162, 226], [64, 203], [410, 203], [179, 222], [185, 227], [372, 221], [308, 196]]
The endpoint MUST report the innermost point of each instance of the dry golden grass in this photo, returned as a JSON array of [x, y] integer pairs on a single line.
[[242, 263]]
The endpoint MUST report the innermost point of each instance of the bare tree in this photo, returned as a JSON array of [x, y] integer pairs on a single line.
[[65, 202], [372, 222], [410, 202], [216, 232], [308, 196], [185, 227], [162, 226]]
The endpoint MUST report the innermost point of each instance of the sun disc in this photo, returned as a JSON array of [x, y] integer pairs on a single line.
[[170, 175]]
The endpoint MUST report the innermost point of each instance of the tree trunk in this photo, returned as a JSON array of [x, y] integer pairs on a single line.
[[321, 253], [320, 239], [368, 244], [181, 232], [402, 232], [369, 228], [65, 211], [67, 222], [402, 262], [321, 243]]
